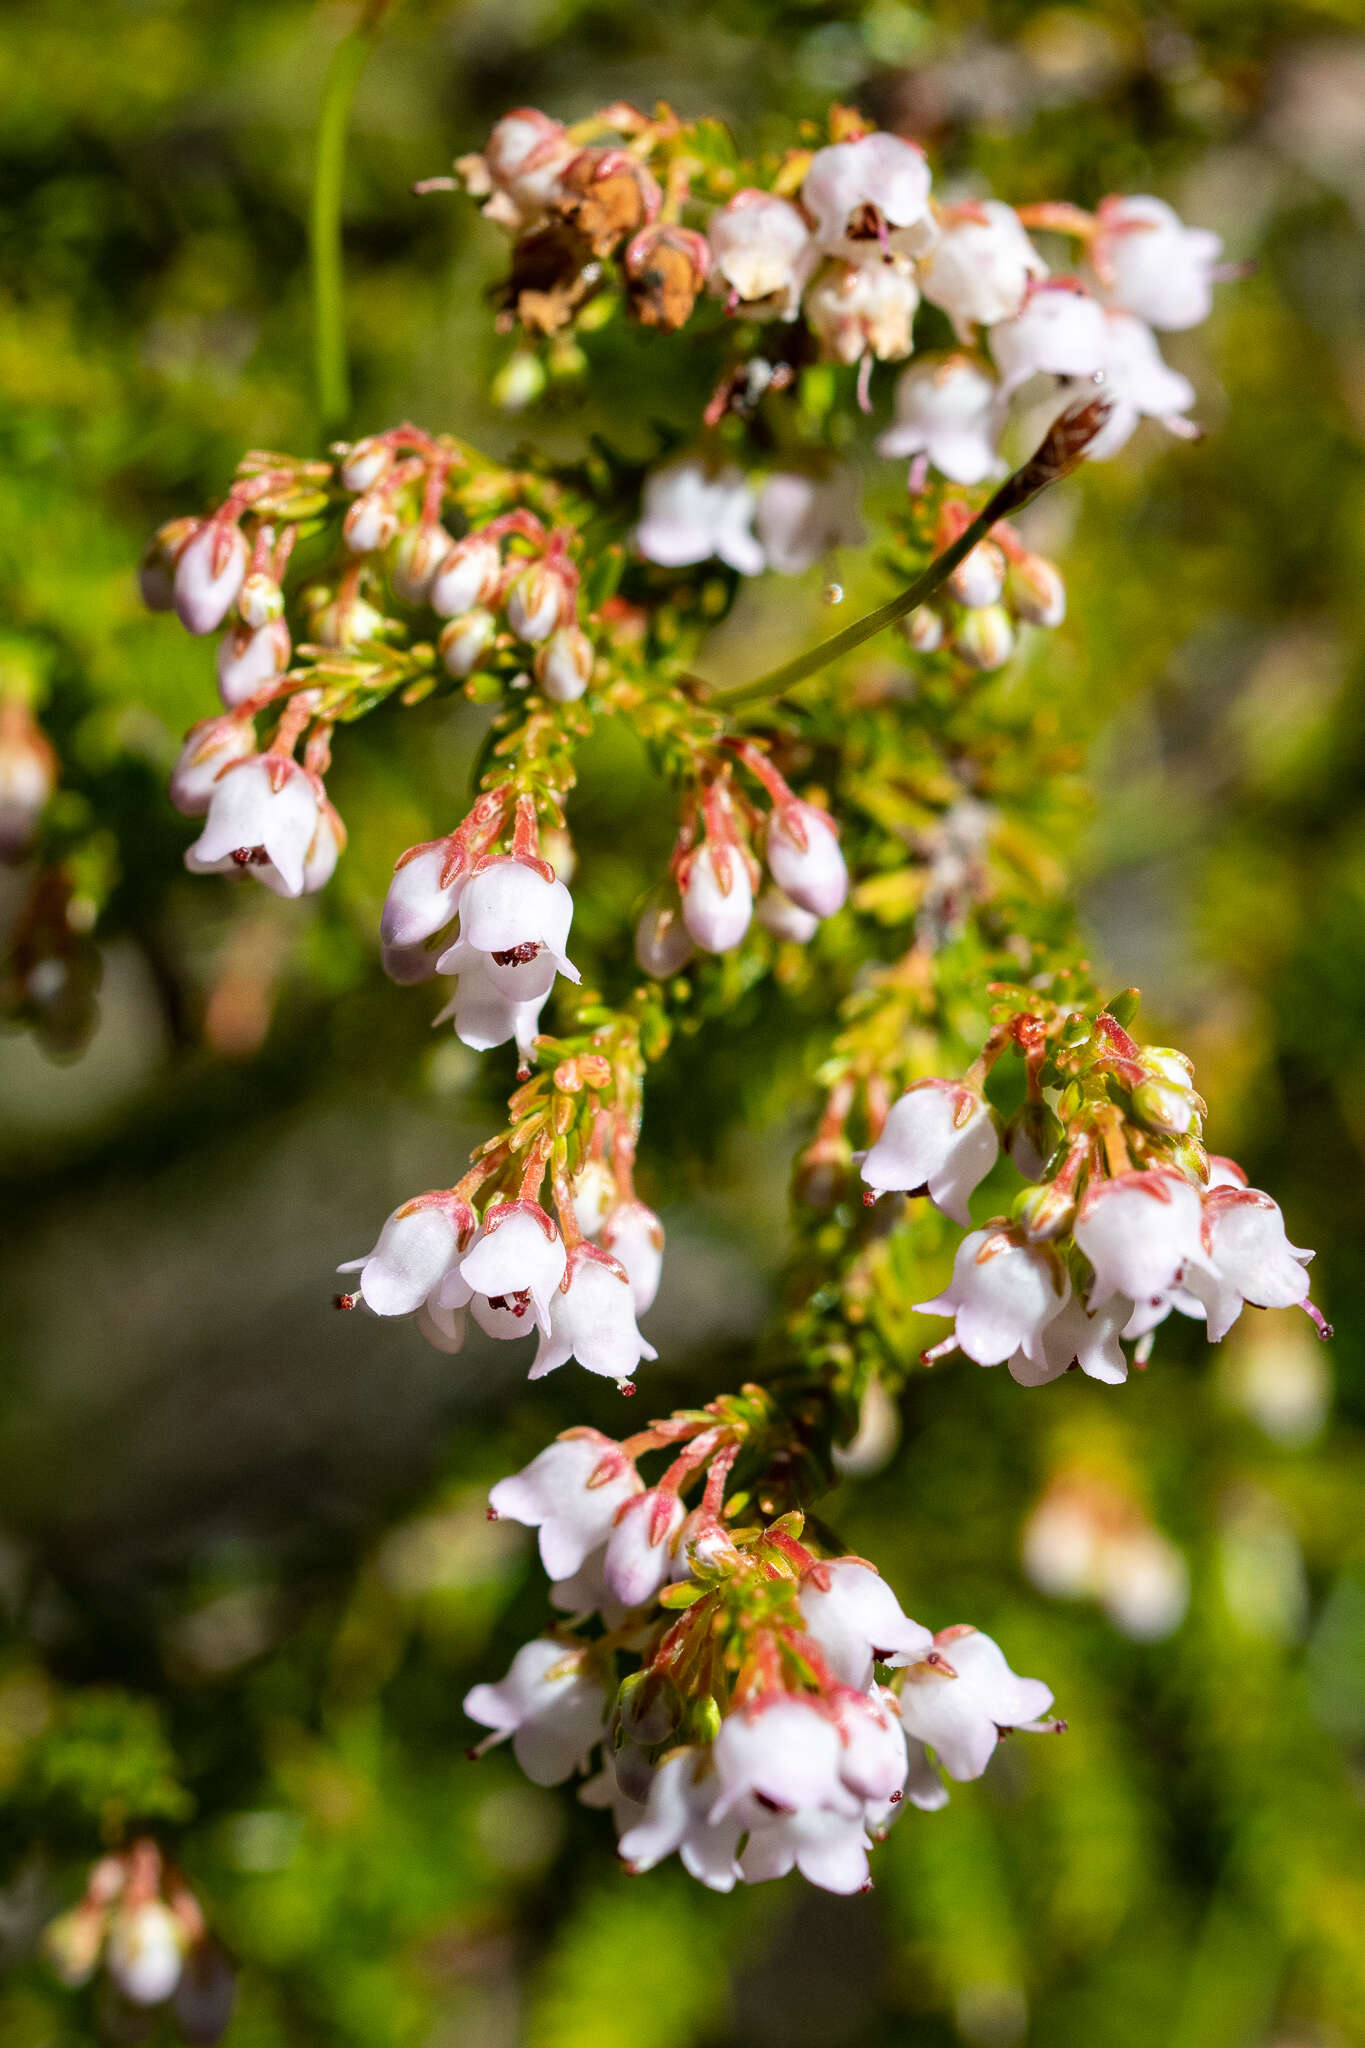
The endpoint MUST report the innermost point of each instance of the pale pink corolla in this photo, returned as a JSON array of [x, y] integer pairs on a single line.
[[1004, 1292], [210, 747], [718, 898], [518, 1260], [781, 1754], [249, 658], [423, 895], [1075, 1337], [520, 921], [803, 854], [484, 1017], [632, 1233], [761, 253], [208, 575], [418, 1249], [1251, 1256], [571, 1494], [829, 1849], [678, 1817], [874, 1761], [802, 517], [960, 1717], [552, 1703], [869, 193], [1140, 1231], [641, 1548], [467, 577], [856, 1619], [592, 1319], [519, 169], [863, 309], [690, 511], [947, 409], [264, 809], [1149, 263], [939, 1139], [1140, 385], [1059, 331], [981, 265]]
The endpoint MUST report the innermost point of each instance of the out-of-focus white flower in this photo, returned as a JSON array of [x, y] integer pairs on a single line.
[[640, 1549], [517, 1263], [210, 747], [1059, 331], [804, 857], [1148, 262], [874, 191], [979, 577], [1075, 1337], [718, 898], [552, 1703], [948, 409], [417, 556], [1140, 1232], [249, 658], [365, 462], [632, 1233], [571, 1494], [663, 944], [208, 575], [145, 1951], [564, 665], [803, 517], [1003, 1293], [370, 523], [263, 814], [539, 600], [517, 173], [1140, 386], [690, 512], [856, 1619], [784, 919], [761, 253], [981, 265], [465, 641], [418, 1248], [863, 308], [592, 1319], [467, 577], [677, 1817], [960, 1717], [939, 1139]]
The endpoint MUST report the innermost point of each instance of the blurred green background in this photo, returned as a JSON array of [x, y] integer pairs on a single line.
[[243, 1557]]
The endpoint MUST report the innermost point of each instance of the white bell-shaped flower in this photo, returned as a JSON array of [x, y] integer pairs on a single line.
[[859, 192], [1003, 1293], [1140, 1231], [761, 252], [803, 517], [632, 1233], [641, 1547], [829, 1850], [981, 265], [1059, 331], [947, 409], [444, 1328], [939, 1139], [677, 1817], [210, 747], [518, 1259], [418, 1248], [1149, 263], [208, 575], [1075, 1337], [483, 1015], [249, 658], [1252, 1258], [552, 1703], [863, 309], [520, 921], [145, 1951], [690, 512], [960, 1717], [592, 1319], [571, 1494], [924, 1786], [856, 1619], [263, 809], [874, 1761], [779, 1755], [804, 857], [1140, 385], [718, 898], [423, 895]]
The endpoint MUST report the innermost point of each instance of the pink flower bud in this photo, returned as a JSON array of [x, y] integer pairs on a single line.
[[718, 900], [536, 602], [156, 574], [370, 524], [365, 462], [208, 575], [467, 577], [564, 665], [466, 640], [663, 944], [803, 854], [979, 579], [1035, 591], [423, 895], [984, 638], [249, 657], [209, 748], [416, 560]]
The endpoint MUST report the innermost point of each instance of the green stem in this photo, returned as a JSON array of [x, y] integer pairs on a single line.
[[329, 312]]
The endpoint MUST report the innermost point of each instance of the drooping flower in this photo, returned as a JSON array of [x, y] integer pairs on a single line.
[[981, 265], [516, 1264], [718, 898], [960, 1717], [423, 895], [803, 855], [208, 575], [939, 1139], [1251, 1258], [863, 309], [1075, 1337], [678, 1817], [1149, 263], [1140, 1231], [856, 1619], [1060, 330], [553, 1704], [870, 193], [779, 1754], [484, 1017], [263, 811], [803, 517], [210, 747], [690, 512], [592, 1319], [1140, 385], [829, 1849], [948, 409], [519, 920], [761, 253], [571, 1494], [632, 1233], [640, 1550], [418, 1248], [1003, 1293]]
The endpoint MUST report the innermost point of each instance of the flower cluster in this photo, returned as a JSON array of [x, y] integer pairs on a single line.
[[1089, 1538], [140, 1922], [780, 1707], [1126, 1216], [1001, 585]]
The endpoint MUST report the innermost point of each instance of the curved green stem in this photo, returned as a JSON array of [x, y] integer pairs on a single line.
[[329, 168]]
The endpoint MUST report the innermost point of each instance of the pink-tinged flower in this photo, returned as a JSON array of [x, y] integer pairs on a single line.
[[467, 577], [571, 1494], [208, 575], [939, 1139], [520, 921], [1060, 331], [424, 894], [718, 898], [856, 1620], [1140, 386], [1004, 1292], [263, 812], [249, 658], [786, 920], [540, 599], [960, 1717], [1225, 1173], [156, 571], [145, 1951], [874, 191], [552, 1703], [865, 308], [519, 169], [948, 409], [370, 523], [483, 1016], [690, 512], [663, 944], [465, 641], [829, 1850], [779, 1755], [802, 518], [1140, 1232], [632, 1233], [761, 253], [444, 1328], [677, 1817], [641, 1547], [365, 462], [874, 1761], [924, 1787], [210, 747], [1149, 263], [981, 266], [416, 559], [516, 1264], [1252, 1258], [564, 665], [418, 1249], [804, 858], [592, 1319], [1075, 1337], [979, 578]]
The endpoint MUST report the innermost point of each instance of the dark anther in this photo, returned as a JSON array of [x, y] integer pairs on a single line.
[[518, 956]]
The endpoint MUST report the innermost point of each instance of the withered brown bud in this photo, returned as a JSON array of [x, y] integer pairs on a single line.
[[665, 269], [607, 195], [554, 272]]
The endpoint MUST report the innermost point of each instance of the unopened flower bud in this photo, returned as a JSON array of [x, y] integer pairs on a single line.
[[718, 901], [156, 575], [784, 919], [209, 748], [370, 524], [979, 579], [1035, 592], [208, 575], [663, 945], [924, 630], [347, 622], [416, 560], [249, 657], [365, 462], [1163, 1107], [519, 382], [1031, 1137], [467, 577], [535, 603], [1046, 1211], [564, 664], [28, 776], [260, 599], [984, 638], [465, 641]]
